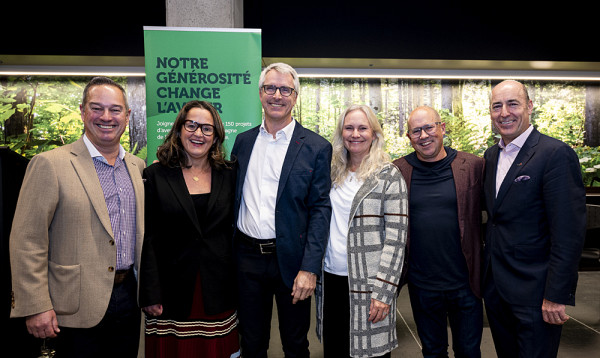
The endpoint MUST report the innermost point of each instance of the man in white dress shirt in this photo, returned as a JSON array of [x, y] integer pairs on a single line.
[[282, 218]]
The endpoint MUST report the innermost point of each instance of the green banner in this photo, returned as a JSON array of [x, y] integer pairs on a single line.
[[220, 66]]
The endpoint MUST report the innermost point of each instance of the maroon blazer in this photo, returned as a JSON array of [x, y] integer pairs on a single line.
[[467, 170]]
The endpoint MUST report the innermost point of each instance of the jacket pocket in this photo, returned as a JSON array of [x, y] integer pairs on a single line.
[[65, 287], [530, 252]]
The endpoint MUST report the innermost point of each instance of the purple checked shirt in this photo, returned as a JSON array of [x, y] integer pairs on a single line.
[[120, 202]]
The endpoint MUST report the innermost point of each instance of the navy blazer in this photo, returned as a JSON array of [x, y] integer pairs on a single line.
[[536, 225], [303, 208], [177, 247]]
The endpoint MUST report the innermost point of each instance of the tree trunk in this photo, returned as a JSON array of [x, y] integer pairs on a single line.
[[317, 104], [375, 94], [401, 107], [592, 116], [457, 106], [347, 83], [16, 124], [447, 95], [136, 97]]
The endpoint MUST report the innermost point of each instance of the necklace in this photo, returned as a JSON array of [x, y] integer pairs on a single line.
[[197, 177]]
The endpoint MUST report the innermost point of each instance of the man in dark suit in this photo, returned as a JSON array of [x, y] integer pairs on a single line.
[[535, 202], [444, 259], [282, 218]]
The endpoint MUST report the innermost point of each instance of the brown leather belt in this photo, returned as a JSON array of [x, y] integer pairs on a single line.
[[121, 275], [264, 246]]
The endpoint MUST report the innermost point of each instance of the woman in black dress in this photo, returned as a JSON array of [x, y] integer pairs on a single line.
[[187, 275]]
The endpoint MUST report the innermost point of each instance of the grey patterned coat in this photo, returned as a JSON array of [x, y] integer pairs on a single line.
[[376, 239]]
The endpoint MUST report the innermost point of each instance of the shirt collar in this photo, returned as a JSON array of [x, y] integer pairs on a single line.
[[520, 140], [286, 131], [95, 153]]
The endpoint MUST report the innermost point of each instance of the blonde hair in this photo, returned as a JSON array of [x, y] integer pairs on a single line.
[[371, 163]]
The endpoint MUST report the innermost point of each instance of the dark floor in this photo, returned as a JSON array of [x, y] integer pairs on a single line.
[[580, 337]]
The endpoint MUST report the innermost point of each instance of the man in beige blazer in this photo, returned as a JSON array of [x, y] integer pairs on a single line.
[[77, 235]]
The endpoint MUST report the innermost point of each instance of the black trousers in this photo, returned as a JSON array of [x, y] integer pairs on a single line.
[[336, 317], [259, 280], [518, 331], [117, 334]]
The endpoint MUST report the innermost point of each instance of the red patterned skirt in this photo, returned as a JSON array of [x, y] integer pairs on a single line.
[[201, 335]]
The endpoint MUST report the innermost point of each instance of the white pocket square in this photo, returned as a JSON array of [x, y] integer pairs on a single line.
[[522, 178]]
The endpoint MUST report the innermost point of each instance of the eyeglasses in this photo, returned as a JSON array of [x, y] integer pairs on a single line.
[[191, 126], [429, 129], [283, 90]]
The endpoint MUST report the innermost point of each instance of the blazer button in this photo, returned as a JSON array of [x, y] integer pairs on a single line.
[[112, 242], [111, 269]]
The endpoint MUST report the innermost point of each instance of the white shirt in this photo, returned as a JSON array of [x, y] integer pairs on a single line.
[[336, 255], [94, 153], [507, 156], [259, 194]]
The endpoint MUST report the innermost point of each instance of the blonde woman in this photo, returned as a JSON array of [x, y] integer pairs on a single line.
[[356, 297]]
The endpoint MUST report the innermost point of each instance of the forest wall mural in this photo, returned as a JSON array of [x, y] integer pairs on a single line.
[[41, 113]]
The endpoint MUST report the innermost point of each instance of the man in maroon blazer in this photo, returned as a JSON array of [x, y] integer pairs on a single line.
[[443, 269]]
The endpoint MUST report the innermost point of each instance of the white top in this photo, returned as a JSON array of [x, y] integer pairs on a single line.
[[507, 156], [95, 153], [257, 209], [336, 256]]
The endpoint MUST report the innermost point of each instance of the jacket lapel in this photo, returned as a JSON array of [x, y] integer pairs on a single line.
[[86, 171], [460, 174], [215, 190], [243, 159], [180, 191], [365, 189], [490, 177], [296, 144], [525, 154], [138, 189]]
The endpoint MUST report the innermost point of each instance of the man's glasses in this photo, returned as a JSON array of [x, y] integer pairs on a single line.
[[429, 129], [191, 126], [284, 90]]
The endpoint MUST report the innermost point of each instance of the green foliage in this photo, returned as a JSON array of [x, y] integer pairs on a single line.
[[589, 158], [559, 111], [563, 121], [465, 135], [38, 114]]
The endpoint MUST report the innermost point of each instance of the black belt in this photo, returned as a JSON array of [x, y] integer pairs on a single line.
[[121, 275], [264, 246]]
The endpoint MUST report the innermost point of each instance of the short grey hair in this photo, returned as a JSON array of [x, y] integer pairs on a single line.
[[281, 68]]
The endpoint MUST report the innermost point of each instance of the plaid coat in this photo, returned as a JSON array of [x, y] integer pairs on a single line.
[[378, 226]]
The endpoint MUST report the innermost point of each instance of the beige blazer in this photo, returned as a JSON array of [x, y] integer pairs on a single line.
[[62, 249]]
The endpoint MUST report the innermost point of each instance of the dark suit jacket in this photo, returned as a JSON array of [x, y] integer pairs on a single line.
[[303, 209], [536, 224], [467, 170], [176, 247]]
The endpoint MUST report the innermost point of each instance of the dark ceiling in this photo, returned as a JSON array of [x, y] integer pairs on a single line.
[[453, 30]]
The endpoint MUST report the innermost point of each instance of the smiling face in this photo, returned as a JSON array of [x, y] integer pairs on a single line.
[[196, 144], [105, 117], [357, 134], [510, 110], [429, 147], [278, 109]]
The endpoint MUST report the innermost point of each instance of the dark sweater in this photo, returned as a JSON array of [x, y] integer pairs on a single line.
[[436, 259]]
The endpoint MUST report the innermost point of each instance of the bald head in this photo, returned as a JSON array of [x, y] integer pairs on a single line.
[[510, 109], [426, 133], [423, 111]]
